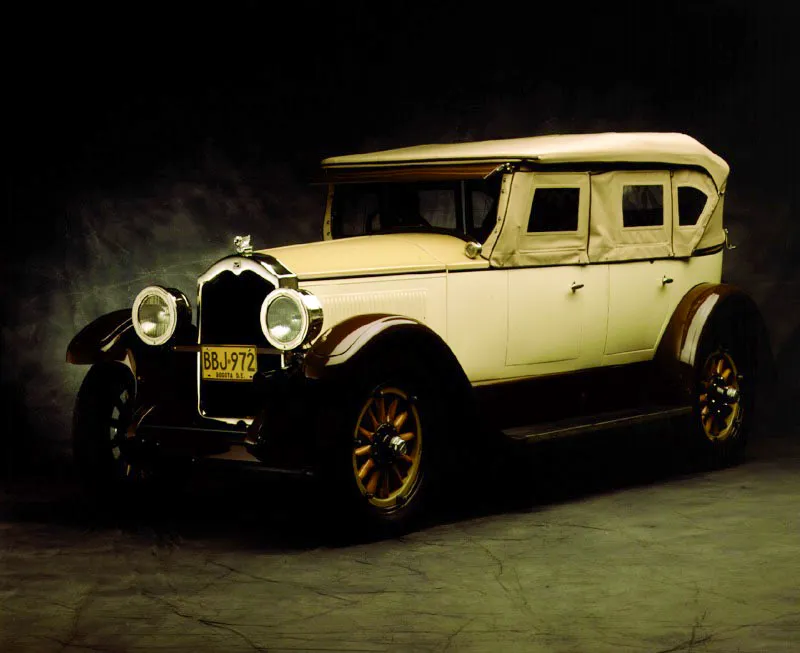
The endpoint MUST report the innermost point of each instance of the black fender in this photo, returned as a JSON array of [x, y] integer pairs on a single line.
[[343, 346], [693, 318], [112, 339], [340, 354], [108, 338]]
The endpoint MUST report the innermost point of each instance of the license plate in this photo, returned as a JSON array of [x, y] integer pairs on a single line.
[[228, 363]]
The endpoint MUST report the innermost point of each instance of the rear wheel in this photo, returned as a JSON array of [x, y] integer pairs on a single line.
[[720, 399], [724, 399]]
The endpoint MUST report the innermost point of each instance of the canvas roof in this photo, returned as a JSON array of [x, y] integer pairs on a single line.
[[628, 147]]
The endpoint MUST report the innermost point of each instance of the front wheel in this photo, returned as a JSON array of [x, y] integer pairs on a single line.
[[387, 458], [104, 455], [382, 462]]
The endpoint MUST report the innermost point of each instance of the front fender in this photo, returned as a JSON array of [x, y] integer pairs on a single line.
[[352, 338], [338, 360], [160, 373], [108, 338]]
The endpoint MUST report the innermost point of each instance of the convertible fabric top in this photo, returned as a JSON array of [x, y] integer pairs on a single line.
[[629, 147]]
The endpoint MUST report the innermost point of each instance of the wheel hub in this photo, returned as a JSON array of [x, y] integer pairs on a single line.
[[722, 392], [386, 445], [720, 396]]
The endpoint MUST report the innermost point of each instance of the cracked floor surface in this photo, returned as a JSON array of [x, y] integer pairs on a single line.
[[598, 547]]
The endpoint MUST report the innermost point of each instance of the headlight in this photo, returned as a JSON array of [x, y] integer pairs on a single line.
[[290, 318], [157, 312]]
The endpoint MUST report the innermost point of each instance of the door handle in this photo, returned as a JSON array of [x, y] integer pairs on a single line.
[[575, 286], [665, 280]]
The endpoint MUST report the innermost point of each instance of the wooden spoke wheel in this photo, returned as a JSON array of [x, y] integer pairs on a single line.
[[720, 399], [118, 422], [387, 448], [104, 453]]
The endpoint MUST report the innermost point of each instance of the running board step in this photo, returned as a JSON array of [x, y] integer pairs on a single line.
[[592, 423]]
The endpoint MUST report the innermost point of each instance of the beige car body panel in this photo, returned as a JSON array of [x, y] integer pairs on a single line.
[[376, 255], [534, 303], [641, 304], [422, 297]]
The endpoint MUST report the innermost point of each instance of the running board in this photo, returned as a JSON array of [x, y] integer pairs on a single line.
[[592, 423], [189, 429]]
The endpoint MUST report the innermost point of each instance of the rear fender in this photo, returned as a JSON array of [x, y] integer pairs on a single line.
[[691, 323]]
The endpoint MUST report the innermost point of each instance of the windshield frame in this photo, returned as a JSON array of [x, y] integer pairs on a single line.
[[389, 191]]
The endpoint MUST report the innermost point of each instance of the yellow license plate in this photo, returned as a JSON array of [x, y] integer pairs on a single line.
[[228, 363]]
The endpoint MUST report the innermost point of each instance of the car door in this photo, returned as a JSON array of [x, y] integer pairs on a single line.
[[640, 302], [556, 318], [641, 274], [556, 301]]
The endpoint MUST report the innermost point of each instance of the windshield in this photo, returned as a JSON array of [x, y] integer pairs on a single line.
[[467, 209]]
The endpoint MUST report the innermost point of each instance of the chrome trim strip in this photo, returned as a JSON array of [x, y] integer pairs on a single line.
[[287, 277], [264, 265]]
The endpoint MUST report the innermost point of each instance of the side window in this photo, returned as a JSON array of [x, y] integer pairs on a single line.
[[691, 202], [643, 206], [352, 211], [554, 209], [438, 207], [482, 203], [482, 197]]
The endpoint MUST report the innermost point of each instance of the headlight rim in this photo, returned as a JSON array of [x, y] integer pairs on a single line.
[[172, 304], [310, 312]]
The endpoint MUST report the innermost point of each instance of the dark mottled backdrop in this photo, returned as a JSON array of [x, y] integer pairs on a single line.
[[141, 142]]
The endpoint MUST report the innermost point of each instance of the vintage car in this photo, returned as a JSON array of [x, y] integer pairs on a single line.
[[520, 289]]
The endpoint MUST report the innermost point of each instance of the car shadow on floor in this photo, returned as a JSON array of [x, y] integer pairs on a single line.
[[255, 510], [528, 478]]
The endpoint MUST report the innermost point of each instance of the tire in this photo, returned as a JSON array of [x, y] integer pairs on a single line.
[[381, 466], [724, 393], [104, 458]]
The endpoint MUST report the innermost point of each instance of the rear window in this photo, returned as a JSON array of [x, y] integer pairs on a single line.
[[691, 202], [642, 206], [554, 209]]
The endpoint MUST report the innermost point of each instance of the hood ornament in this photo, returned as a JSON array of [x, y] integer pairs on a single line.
[[242, 245]]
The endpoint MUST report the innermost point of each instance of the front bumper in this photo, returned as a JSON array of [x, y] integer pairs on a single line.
[[280, 438]]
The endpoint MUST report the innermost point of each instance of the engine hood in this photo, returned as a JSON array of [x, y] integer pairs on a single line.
[[376, 255]]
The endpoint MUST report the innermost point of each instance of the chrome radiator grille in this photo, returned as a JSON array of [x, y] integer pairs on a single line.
[[230, 305]]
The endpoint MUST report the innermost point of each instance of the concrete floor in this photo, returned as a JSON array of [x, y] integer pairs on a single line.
[[592, 546]]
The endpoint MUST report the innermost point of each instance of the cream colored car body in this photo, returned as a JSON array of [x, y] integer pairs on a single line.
[[534, 303]]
